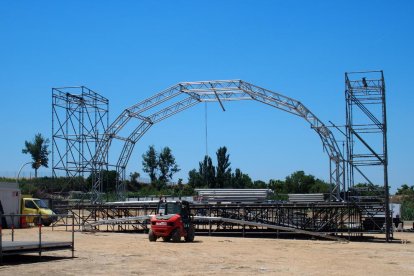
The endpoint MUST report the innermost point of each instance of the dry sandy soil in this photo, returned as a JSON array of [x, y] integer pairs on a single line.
[[132, 254]]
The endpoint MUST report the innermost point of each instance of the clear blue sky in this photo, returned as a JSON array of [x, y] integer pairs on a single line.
[[129, 50]]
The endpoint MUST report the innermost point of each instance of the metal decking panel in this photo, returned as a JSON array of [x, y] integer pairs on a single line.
[[21, 247]]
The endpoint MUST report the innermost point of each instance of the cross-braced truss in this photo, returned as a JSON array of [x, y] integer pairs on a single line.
[[366, 134], [187, 94], [79, 120]]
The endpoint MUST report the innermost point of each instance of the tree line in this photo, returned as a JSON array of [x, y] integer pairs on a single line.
[[221, 176], [406, 195], [161, 167]]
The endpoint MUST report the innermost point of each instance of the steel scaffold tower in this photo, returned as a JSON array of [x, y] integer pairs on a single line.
[[184, 95], [79, 121], [366, 135]]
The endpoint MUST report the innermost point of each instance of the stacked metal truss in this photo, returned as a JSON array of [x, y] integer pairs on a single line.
[[79, 121], [233, 195], [366, 133]]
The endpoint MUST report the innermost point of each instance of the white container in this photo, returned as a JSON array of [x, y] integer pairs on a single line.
[[10, 200]]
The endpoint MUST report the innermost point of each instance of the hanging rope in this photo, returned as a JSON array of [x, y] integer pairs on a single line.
[[206, 126]]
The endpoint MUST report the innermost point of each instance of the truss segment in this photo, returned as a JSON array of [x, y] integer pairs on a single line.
[[210, 91]]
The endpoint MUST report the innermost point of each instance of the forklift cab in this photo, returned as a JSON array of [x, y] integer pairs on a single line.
[[181, 208], [172, 222]]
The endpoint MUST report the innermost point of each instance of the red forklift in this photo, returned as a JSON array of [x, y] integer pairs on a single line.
[[172, 221]]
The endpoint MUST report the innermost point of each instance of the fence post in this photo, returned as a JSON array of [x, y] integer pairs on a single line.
[[12, 218], [39, 221], [73, 235]]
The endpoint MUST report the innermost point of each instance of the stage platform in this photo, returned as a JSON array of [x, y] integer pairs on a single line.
[[19, 245], [22, 247]]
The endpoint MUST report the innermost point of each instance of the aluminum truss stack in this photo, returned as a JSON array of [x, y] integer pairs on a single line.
[[79, 121], [366, 133]]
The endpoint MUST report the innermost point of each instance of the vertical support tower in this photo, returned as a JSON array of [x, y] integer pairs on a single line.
[[79, 119], [366, 134]]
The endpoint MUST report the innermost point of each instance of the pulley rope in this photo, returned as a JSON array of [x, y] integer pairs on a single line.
[[206, 126]]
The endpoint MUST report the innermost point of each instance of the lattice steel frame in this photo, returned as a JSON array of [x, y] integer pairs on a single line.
[[339, 218], [80, 118], [210, 91], [366, 121]]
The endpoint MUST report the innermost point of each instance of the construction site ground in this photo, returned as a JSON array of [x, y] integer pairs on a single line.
[[104, 253]]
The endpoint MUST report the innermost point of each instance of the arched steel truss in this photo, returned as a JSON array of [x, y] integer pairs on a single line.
[[208, 91]]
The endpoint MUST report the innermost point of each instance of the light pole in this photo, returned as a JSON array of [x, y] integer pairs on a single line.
[[21, 168]]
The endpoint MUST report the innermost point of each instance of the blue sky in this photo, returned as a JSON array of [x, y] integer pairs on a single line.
[[130, 50]]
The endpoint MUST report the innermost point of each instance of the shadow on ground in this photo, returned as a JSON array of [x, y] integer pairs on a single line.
[[29, 259]]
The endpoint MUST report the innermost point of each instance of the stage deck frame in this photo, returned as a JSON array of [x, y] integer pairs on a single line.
[[23, 247], [39, 246], [341, 219]]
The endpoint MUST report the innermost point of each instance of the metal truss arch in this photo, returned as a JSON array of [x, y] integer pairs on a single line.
[[187, 94]]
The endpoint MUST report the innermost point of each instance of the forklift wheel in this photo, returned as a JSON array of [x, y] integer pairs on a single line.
[[151, 236], [190, 234], [166, 239], [175, 236], [37, 221]]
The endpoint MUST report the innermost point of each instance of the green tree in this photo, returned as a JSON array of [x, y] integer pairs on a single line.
[[223, 176], [259, 184], [367, 189], [109, 180], [278, 186], [237, 179], [299, 182], [195, 180], [405, 190], [133, 184], [246, 181], [205, 177], [319, 186], [208, 172], [150, 163], [39, 152], [134, 176], [279, 189], [160, 167], [407, 201], [167, 165], [407, 209]]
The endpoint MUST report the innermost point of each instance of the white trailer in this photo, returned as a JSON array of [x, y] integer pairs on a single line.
[[10, 196]]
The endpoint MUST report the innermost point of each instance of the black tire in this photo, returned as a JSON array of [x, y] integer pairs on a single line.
[[175, 236], [36, 221], [166, 239], [46, 223], [190, 234], [151, 236]]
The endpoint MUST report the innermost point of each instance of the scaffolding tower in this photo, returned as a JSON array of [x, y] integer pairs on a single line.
[[366, 139], [80, 118]]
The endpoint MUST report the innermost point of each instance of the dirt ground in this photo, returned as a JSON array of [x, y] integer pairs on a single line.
[[132, 254]]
